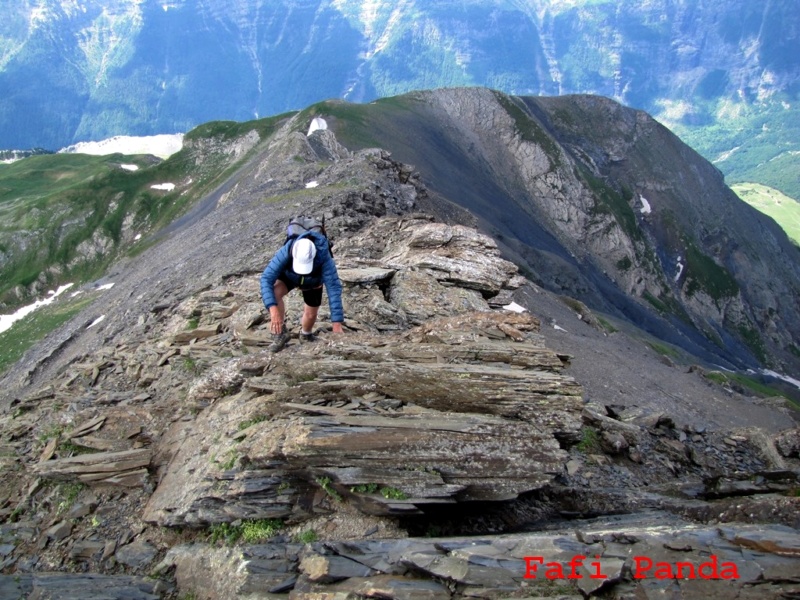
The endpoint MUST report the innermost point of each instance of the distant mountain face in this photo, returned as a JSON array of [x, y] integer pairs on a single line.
[[88, 70]]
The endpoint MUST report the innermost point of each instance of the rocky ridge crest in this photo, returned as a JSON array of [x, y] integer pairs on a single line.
[[440, 414]]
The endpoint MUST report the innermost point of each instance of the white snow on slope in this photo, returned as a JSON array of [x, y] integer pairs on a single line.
[[680, 269], [317, 123], [163, 146], [785, 378], [6, 321]]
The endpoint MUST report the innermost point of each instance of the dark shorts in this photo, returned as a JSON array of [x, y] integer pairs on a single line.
[[312, 297]]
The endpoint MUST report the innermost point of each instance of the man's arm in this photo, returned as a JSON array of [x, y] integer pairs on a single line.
[[330, 276], [270, 275]]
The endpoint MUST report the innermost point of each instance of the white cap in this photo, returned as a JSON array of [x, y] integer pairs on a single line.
[[303, 253]]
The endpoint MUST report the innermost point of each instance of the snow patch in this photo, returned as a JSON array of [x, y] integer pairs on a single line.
[[785, 378], [163, 146], [96, 321], [6, 321], [514, 307], [317, 123], [168, 187], [130, 167], [645, 210], [559, 328], [312, 184], [680, 269]]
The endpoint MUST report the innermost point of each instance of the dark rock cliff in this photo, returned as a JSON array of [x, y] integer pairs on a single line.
[[604, 204]]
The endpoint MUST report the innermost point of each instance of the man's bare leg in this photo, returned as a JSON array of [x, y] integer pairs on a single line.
[[277, 315]]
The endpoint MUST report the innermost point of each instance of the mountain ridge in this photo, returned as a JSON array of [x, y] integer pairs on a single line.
[[716, 72], [596, 215], [155, 449]]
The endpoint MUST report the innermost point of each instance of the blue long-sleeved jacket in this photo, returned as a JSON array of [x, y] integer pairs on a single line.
[[324, 272]]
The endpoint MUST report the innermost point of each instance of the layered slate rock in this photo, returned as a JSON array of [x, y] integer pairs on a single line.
[[457, 412], [469, 406]]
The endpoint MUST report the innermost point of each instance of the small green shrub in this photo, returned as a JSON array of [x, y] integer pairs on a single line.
[[250, 532], [252, 421], [258, 531], [307, 537], [191, 365], [590, 441], [67, 494], [365, 488], [392, 493], [325, 484]]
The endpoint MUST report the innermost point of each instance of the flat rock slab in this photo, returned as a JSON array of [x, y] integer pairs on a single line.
[[127, 468], [365, 275], [686, 561], [68, 586]]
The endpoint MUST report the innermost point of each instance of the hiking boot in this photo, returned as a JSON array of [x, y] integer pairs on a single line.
[[279, 340], [306, 337]]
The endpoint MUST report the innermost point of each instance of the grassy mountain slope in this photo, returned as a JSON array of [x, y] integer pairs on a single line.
[[771, 202], [65, 217]]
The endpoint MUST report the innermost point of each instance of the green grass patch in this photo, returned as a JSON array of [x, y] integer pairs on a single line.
[[365, 488], [744, 382], [326, 484], [613, 202], [29, 330], [783, 209], [589, 442], [191, 365], [393, 493], [252, 421], [753, 340], [664, 350], [53, 206], [757, 142], [703, 273], [606, 325], [308, 536], [248, 532], [67, 495], [657, 303]]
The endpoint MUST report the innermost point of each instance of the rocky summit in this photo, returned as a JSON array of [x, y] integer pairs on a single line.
[[439, 448]]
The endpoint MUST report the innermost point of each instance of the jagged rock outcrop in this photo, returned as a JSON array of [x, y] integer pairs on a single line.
[[437, 414]]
